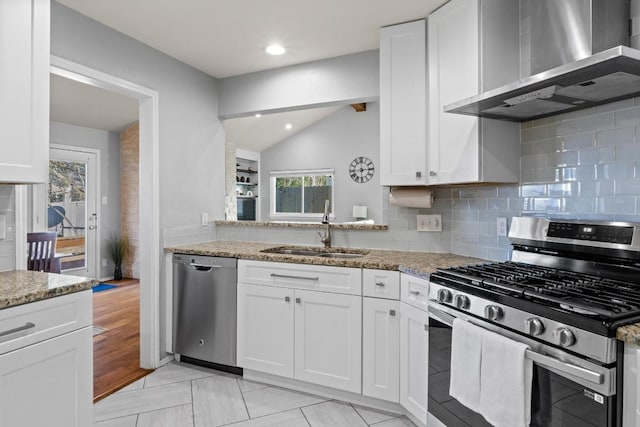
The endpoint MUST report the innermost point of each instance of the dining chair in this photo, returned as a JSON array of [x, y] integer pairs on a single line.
[[42, 250]]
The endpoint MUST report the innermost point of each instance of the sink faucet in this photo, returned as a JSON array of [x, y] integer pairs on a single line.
[[326, 237]]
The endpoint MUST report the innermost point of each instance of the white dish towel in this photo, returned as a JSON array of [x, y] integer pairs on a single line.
[[466, 348], [505, 386]]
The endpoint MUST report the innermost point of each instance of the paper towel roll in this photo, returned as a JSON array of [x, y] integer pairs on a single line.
[[411, 197]]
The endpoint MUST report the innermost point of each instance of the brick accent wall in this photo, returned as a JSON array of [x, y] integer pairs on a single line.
[[130, 198]]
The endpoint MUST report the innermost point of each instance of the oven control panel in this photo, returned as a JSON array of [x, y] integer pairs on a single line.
[[591, 232]]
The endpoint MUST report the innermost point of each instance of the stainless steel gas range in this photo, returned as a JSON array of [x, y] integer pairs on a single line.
[[568, 287]]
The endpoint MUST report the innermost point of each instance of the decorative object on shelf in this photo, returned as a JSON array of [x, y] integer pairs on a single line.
[[250, 193], [242, 179], [248, 180], [361, 169], [237, 178], [359, 212], [119, 247]]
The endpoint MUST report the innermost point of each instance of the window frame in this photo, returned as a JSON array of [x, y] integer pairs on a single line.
[[299, 173]]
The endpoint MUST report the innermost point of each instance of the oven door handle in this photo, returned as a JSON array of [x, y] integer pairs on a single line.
[[538, 358]]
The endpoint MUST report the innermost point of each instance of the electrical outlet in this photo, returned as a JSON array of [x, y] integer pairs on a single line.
[[501, 224], [104, 262], [430, 222], [104, 200]]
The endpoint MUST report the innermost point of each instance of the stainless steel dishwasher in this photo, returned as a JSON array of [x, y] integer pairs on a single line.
[[204, 308]]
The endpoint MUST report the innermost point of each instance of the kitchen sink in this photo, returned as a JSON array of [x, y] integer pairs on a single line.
[[319, 252]]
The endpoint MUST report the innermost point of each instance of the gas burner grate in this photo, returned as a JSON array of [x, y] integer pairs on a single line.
[[568, 290]]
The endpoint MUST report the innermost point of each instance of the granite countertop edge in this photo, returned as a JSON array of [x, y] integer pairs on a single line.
[[285, 224], [418, 264], [19, 287]]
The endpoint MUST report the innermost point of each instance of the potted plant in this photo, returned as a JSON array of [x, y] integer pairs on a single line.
[[119, 247]]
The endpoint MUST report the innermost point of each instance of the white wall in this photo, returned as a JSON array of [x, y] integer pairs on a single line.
[[334, 81], [332, 143], [109, 145], [191, 137]]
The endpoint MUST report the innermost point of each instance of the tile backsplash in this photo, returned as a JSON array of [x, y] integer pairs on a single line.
[[7, 245]]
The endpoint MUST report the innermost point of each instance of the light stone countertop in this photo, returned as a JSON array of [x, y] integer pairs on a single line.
[[419, 264], [23, 286], [416, 263], [291, 224]]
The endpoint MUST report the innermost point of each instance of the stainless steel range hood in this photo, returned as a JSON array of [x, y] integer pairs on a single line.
[[568, 32]]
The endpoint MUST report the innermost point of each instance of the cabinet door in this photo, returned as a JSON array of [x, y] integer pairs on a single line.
[[49, 383], [403, 105], [454, 74], [265, 329], [24, 85], [380, 348], [328, 333], [413, 360]]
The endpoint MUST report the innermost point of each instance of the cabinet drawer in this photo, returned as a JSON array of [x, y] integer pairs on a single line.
[[41, 320], [342, 280], [381, 284], [414, 291]]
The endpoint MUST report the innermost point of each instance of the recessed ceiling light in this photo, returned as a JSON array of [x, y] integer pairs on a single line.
[[288, 126], [275, 49], [258, 115]]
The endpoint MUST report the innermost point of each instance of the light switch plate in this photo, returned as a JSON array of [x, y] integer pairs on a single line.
[[204, 218], [431, 222], [501, 226]]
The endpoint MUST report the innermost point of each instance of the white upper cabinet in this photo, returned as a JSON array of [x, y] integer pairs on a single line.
[[473, 46], [24, 85], [403, 104]]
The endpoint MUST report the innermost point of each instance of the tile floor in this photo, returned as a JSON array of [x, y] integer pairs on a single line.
[[180, 395]]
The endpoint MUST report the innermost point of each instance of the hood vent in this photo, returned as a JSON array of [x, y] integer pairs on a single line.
[[576, 39]]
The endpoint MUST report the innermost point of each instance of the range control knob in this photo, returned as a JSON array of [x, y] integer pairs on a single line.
[[493, 312], [461, 301], [534, 326], [444, 296], [565, 337]]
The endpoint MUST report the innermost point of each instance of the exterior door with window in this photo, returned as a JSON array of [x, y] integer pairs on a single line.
[[72, 209]]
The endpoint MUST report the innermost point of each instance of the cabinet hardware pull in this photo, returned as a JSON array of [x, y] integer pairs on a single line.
[[285, 276], [414, 292], [7, 333], [418, 175], [381, 284], [392, 312], [298, 300], [287, 299], [432, 173]]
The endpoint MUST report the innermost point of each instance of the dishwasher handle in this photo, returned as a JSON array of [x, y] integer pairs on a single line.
[[203, 267]]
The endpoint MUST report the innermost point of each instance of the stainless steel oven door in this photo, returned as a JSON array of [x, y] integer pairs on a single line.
[[567, 391]]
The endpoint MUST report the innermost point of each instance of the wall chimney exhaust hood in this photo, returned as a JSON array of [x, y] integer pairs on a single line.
[[574, 37]]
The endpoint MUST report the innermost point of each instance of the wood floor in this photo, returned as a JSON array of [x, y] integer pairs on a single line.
[[116, 352]]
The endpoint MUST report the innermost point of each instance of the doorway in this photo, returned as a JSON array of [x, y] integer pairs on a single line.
[[72, 208]]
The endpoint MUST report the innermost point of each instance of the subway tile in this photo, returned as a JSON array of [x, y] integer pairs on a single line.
[[626, 152], [625, 218], [487, 192], [516, 204], [562, 158], [591, 156], [459, 204], [533, 190], [465, 215], [627, 187], [478, 204], [615, 136], [508, 191], [579, 140], [499, 255], [536, 161], [546, 120], [614, 106], [546, 146], [533, 134], [526, 125], [528, 176], [547, 204], [488, 241], [584, 112], [593, 216], [579, 204], [487, 216], [564, 127], [628, 117], [497, 204], [617, 204], [562, 189]]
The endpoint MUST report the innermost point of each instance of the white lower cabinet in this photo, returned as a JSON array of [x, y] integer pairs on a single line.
[[413, 360], [328, 348], [307, 335], [265, 329], [46, 363], [381, 348]]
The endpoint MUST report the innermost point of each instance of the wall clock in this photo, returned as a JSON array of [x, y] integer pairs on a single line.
[[361, 169]]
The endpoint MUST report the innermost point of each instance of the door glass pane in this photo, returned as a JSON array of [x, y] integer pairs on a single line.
[[66, 213]]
